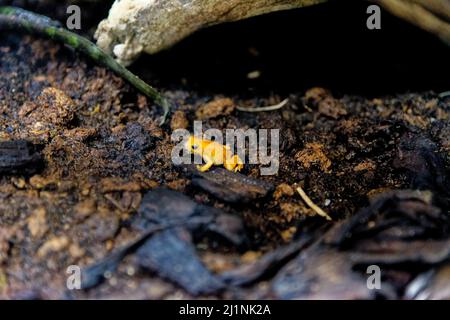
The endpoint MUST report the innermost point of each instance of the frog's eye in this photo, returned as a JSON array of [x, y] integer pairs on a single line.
[[194, 147]]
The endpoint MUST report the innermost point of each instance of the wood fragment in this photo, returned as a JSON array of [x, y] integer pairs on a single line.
[[18, 155]]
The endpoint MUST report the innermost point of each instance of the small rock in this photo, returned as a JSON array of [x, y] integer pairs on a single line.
[[291, 211], [283, 189], [316, 94], [53, 108], [75, 251], [217, 262], [288, 234], [215, 108], [54, 244], [365, 166], [178, 184], [37, 223], [332, 108], [39, 182], [85, 208], [325, 102], [19, 183], [179, 120], [254, 75]]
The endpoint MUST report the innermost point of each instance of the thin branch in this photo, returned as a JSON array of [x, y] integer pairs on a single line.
[[12, 18], [312, 205], [268, 108]]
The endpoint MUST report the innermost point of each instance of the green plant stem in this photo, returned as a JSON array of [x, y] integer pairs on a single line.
[[12, 18]]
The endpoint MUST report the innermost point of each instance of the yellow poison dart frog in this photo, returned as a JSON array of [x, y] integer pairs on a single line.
[[213, 153]]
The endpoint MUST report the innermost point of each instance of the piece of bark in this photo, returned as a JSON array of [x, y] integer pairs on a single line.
[[163, 206], [169, 221], [18, 156], [173, 256]]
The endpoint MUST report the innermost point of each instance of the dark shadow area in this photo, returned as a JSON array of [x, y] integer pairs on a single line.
[[326, 45]]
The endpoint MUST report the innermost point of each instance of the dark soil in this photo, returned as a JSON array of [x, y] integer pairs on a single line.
[[102, 148]]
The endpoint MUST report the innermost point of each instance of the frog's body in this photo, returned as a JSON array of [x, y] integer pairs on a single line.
[[214, 153]]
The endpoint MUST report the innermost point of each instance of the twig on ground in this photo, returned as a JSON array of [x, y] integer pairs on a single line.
[[312, 205], [268, 108]]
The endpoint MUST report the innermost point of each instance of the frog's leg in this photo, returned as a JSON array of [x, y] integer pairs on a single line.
[[239, 163], [207, 165], [234, 163]]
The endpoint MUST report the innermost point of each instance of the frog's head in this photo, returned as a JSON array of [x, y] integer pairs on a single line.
[[193, 143]]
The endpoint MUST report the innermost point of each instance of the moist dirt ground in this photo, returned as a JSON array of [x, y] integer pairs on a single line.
[[363, 130]]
